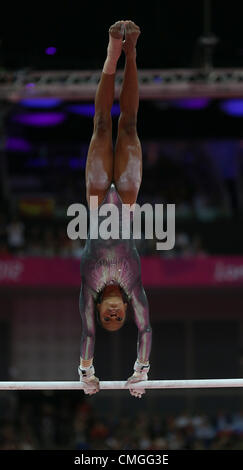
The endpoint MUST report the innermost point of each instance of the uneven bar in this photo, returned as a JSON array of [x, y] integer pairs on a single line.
[[120, 385]]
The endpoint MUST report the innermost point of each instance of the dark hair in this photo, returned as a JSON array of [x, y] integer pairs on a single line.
[[99, 300]]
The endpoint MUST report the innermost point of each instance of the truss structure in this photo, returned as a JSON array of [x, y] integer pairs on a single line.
[[153, 84]]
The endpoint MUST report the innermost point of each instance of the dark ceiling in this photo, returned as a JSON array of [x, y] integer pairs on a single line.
[[79, 31]]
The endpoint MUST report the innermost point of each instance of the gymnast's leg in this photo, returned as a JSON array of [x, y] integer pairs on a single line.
[[128, 154], [99, 165]]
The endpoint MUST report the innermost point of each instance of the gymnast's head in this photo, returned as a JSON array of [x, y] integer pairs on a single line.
[[112, 308]]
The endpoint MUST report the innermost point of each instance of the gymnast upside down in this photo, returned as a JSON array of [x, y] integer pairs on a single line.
[[110, 269]]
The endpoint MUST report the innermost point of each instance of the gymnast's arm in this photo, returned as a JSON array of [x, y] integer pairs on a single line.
[[87, 308], [141, 315], [86, 368]]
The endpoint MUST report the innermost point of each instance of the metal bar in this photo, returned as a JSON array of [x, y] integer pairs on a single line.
[[120, 385]]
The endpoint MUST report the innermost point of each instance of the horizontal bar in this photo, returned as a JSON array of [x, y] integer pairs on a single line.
[[120, 385]]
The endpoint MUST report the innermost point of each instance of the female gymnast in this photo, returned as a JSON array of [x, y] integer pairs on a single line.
[[110, 269]]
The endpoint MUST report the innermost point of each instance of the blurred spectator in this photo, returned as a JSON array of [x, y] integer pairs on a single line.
[[49, 243], [76, 248], [205, 432], [64, 244], [15, 235], [237, 423], [222, 423], [71, 423], [3, 248], [159, 443], [47, 240], [183, 420], [47, 426], [176, 440], [34, 246], [198, 249], [182, 244], [3, 230]]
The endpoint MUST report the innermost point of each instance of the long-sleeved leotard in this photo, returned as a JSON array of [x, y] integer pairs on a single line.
[[112, 261]]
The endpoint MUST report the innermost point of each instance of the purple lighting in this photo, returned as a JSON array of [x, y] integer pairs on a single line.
[[82, 109], [191, 103], [40, 102], [51, 50], [88, 109], [76, 162], [16, 144], [233, 107], [37, 162], [40, 119]]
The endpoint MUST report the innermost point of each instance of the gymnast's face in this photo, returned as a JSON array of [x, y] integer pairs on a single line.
[[112, 311]]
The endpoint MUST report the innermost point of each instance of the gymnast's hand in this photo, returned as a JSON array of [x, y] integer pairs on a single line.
[[91, 385], [135, 378], [140, 374], [89, 381]]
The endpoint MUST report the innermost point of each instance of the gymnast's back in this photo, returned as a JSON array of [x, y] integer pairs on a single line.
[[112, 260]]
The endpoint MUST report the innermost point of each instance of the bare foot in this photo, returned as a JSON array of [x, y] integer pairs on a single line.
[[132, 31], [117, 30], [114, 49]]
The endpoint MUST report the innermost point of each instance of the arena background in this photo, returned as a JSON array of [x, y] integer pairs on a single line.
[[190, 57]]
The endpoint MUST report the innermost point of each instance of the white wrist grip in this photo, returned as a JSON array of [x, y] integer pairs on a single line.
[[140, 367], [86, 372]]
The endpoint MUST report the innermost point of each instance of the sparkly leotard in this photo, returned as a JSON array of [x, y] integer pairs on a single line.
[[112, 261]]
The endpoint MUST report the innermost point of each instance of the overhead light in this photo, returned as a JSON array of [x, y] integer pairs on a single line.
[[40, 119], [17, 144], [51, 50], [232, 107], [41, 102], [191, 103], [88, 109]]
